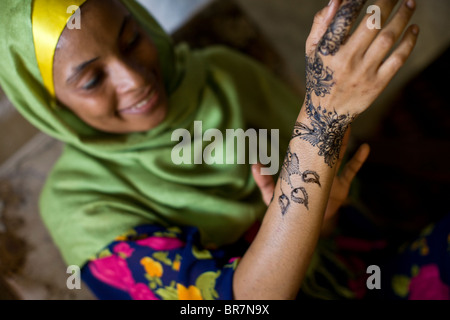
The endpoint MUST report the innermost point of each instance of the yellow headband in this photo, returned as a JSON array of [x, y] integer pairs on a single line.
[[49, 18]]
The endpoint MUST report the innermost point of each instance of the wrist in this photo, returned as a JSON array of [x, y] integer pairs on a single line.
[[323, 129]]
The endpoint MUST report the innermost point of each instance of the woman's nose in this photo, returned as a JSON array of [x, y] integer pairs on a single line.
[[127, 77]]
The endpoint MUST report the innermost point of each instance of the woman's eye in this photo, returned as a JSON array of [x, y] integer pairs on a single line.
[[92, 83], [134, 41]]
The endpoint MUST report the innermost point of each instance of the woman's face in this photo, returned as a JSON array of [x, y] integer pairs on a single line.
[[108, 71]]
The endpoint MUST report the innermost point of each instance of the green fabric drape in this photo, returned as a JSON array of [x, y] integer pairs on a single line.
[[104, 184]]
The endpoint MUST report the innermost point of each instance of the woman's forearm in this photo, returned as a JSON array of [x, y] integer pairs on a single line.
[[277, 260]]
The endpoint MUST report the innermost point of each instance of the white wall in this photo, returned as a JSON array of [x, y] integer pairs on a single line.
[[172, 13]]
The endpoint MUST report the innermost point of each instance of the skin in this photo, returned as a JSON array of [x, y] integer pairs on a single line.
[[121, 69], [275, 264]]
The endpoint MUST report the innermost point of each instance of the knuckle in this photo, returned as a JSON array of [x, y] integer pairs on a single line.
[[310, 40], [318, 17], [387, 38], [397, 61]]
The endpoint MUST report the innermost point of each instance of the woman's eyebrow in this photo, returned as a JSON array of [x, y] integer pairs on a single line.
[[83, 65], [79, 69]]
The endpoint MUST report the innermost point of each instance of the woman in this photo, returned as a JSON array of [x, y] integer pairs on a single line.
[[116, 89]]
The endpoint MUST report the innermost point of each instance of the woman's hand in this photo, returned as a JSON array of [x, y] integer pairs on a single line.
[[346, 73]]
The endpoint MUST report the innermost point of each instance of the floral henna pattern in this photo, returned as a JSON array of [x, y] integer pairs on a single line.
[[326, 131], [284, 203], [299, 195], [337, 33], [291, 167], [311, 177], [319, 79], [327, 128]]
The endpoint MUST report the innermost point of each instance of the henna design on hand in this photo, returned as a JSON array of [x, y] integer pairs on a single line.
[[337, 32], [319, 79], [327, 128]]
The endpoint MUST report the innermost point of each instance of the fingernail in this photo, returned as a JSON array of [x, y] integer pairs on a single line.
[[329, 3], [411, 4], [415, 30]]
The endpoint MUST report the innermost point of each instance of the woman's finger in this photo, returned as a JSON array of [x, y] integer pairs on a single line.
[[387, 38], [355, 164], [264, 183], [363, 36], [340, 27], [398, 58], [322, 21]]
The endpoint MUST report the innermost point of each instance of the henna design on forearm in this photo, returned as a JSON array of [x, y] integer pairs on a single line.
[[314, 179], [326, 131], [300, 198], [284, 203], [337, 32], [290, 168]]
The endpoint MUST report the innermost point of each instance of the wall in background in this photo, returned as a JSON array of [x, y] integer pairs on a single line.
[[172, 13]]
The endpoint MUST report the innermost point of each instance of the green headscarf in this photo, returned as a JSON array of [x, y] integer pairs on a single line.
[[104, 184]]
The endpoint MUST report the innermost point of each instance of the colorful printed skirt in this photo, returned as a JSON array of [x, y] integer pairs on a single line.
[[155, 263]]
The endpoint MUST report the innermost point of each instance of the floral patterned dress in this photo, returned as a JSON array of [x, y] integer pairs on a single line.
[[155, 263]]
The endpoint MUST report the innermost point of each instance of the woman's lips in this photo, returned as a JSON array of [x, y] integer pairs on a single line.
[[146, 105]]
